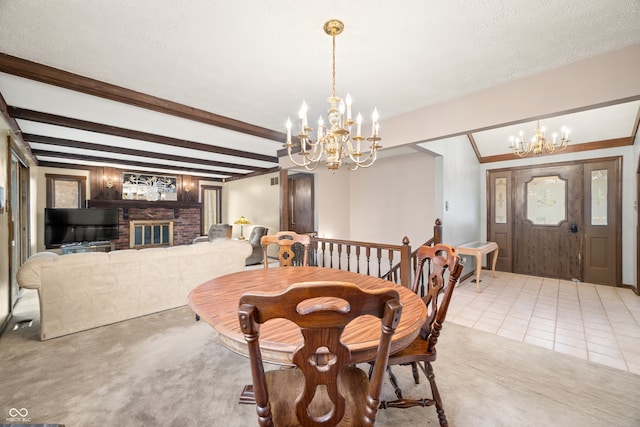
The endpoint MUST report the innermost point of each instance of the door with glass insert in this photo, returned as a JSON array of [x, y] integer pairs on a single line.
[[548, 221]]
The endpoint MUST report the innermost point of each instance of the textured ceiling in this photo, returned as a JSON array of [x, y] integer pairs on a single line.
[[255, 61]]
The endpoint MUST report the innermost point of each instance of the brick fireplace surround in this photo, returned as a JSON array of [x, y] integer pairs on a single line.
[[186, 218]]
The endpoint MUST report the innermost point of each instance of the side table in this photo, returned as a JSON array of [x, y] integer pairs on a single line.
[[478, 249]]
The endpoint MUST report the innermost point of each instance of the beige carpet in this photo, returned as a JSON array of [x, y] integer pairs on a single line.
[[168, 370]]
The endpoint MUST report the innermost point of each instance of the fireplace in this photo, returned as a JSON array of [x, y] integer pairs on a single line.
[[185, 220]]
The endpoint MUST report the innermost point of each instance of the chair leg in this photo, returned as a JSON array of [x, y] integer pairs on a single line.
[[436, 395], [394, 382], [414, 369]]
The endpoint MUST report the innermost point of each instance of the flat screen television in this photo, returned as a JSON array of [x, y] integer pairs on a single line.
[[62, 226]]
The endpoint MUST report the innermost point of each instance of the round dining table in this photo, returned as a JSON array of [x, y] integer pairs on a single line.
[[216, 302]]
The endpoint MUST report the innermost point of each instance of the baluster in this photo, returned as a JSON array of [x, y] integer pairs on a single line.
[[368, 260], [390, 260], [331, 254], [339, 256], [323, 252], [379, 253], [348, 257], [358, 258]]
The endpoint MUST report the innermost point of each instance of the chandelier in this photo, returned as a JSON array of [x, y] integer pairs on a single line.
[[334, 141], [539, 143]]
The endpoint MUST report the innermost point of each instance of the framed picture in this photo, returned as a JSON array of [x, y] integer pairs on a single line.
[[137, 186]]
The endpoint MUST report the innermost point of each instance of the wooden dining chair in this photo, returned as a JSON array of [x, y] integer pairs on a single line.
[[323, 389], [432, 262], [286, 254]]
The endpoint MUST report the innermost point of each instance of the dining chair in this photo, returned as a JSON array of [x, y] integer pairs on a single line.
[[438, 259], [323, 389], [287, 254]]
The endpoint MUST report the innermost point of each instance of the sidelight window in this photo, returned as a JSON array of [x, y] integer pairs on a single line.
[[599, 187]]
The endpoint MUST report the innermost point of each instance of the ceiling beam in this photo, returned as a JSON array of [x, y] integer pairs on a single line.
[[144, 165], [53, 119], [69, 143], [56, 77], [91, 168]]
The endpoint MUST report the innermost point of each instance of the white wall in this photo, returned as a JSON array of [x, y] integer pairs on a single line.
[[254, 198], [392, 199], [332, 207], [459, 189]]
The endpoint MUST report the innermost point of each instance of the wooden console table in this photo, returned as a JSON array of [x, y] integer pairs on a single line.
[[478, 249]]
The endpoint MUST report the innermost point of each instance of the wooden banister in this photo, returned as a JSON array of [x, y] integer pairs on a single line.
[[395, 263]]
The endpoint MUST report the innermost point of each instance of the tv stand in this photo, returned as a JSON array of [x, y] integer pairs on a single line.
[[97, 246]]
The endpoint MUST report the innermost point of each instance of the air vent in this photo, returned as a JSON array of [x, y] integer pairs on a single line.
[[274, 181]]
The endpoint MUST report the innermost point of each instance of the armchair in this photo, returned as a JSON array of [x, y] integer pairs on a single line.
[[254, 239]]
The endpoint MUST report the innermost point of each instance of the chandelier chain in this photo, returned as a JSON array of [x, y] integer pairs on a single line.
[[333, 65]]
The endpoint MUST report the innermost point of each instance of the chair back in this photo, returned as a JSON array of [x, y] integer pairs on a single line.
[[321, 310], [432, 262], [286, 254]]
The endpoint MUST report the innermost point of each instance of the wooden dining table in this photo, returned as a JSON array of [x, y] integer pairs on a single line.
[[216, 302]]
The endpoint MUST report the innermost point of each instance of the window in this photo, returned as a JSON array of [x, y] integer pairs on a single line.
[[547, 200], [65, 191]]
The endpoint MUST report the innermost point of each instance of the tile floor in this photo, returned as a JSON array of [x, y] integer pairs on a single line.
[[593, 322]]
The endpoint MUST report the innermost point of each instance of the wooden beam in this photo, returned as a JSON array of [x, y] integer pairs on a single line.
[[144, 165], [60, 142], [53, 119], [60, 78]]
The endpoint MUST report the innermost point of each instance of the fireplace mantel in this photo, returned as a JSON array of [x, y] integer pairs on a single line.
[[125, 205]]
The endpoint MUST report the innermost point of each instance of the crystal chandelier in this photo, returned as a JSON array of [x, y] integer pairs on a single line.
[[539, 143], [335, 141]]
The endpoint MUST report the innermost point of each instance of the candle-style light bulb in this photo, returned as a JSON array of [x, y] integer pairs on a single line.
[[320, 128], [348, 101], [374, 118], [359, 125], [288, 125], [303, 116]]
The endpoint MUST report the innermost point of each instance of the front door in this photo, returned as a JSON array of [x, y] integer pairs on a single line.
[[560, 221], [548, 221]]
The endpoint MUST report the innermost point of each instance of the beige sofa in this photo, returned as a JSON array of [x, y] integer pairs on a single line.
[[86, 290]]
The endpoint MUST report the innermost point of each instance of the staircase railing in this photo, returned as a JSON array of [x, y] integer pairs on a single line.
[[391, 262]]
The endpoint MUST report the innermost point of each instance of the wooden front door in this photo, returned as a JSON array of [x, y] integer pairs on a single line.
[[548, 221], [561, 221]]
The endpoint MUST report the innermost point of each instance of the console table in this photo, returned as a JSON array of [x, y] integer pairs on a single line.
[[75, 248], [478, 249]]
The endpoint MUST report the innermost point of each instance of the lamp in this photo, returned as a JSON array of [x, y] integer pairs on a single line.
[[109, 181], [242, 221], [334, 141], [539, 143]]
